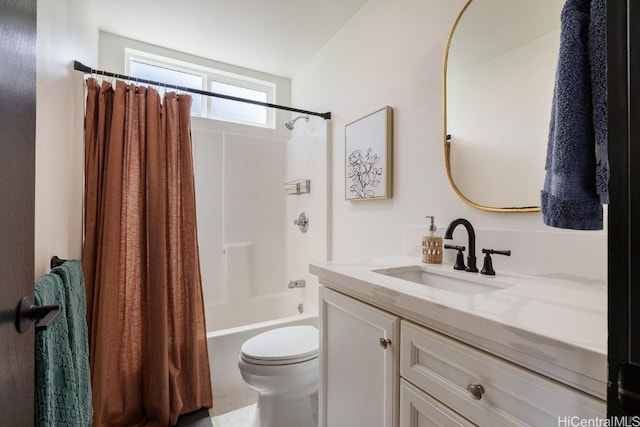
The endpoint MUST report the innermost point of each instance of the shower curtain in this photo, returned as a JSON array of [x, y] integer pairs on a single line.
[[148, 350]]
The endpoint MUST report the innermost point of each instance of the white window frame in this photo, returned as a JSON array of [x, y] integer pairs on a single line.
[[209, 75]]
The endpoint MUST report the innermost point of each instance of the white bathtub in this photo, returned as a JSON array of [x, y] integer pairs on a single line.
[[229, 389]]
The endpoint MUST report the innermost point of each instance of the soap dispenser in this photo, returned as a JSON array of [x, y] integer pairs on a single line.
[[432, 245]]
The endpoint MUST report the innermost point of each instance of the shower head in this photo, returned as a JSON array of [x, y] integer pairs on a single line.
[[290, 124]]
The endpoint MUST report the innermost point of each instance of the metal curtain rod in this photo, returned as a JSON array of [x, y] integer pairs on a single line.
[[78, 66]]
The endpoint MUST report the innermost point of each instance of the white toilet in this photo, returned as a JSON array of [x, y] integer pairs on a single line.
[[282, 365]]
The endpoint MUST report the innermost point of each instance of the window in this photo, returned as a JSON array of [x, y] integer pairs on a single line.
[[166, 70], [158, 73], [237, 111]]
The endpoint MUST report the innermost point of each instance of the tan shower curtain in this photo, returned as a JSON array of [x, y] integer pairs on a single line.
[[148, 350]]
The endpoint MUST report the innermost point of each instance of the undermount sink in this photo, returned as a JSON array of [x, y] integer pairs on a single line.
[[461, 285]]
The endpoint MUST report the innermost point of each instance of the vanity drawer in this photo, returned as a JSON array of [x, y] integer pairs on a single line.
[[418, 409], [510, 395]]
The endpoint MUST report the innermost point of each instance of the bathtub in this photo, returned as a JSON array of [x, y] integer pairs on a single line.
[[229, 389]]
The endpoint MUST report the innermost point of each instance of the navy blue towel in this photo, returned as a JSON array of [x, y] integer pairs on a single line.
[[577, 172]]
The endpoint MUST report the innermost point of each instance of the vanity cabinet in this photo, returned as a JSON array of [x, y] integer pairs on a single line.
[[359, 363], [427, 378]]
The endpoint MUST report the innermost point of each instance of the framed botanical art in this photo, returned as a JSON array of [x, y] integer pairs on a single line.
[[368, 156]]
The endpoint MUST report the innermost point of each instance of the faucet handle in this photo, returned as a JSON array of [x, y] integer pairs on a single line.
[[459, 265], [487, 267]]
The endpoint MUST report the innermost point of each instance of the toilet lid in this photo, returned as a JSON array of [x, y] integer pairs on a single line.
[[291, 344]]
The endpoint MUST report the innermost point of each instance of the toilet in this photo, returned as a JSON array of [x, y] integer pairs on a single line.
[[282, 365]]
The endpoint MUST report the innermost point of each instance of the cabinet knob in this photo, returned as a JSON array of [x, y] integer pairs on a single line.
[[476, 391], [385, 342]]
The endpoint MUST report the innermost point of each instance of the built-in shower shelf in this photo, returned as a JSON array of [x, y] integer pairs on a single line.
[[299, 186]]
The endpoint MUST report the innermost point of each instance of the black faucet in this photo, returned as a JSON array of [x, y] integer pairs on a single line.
[[471, 258]]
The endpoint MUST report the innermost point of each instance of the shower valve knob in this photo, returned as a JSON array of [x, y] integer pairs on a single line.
[[302, 222]]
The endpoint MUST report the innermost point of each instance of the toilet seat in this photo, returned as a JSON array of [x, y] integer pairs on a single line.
[[282, 346]]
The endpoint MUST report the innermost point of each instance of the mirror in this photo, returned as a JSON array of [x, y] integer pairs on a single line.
[[499, 71]]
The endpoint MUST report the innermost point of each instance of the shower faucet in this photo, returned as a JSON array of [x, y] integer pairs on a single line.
[[291, 123], [300, 283], [302, 222]]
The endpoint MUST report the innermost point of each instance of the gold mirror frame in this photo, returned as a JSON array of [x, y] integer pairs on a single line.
[[446, 143]]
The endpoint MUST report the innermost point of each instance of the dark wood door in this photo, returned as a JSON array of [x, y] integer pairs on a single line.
[[623, 109], [17, 188]]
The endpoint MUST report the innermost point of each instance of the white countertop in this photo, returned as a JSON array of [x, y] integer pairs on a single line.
[[554, 325]]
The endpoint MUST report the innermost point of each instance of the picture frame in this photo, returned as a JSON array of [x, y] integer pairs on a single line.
[[368, 156]]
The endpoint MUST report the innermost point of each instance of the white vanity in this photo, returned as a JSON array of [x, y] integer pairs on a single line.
[[409, 344]]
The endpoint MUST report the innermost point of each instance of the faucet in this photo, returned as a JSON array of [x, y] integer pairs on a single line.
[[471, 258], [300, 283]]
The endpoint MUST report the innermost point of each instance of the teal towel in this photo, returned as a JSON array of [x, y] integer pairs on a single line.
[[63, 383]]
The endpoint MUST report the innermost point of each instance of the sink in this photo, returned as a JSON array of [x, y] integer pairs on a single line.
[[460, 285]]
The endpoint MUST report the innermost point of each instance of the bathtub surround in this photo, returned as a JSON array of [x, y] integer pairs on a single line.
[[308, 151], [140, 258], [250, 248], [239, 182]]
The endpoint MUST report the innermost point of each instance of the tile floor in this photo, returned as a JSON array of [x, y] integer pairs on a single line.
[[239, 418]]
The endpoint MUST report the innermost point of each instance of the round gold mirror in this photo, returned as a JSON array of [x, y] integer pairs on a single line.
[[499, 70]]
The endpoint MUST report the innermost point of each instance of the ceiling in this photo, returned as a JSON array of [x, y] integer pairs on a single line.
[[273, 36]]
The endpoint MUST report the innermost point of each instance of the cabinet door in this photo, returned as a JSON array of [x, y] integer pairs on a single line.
[[358, 372], [418, 409]]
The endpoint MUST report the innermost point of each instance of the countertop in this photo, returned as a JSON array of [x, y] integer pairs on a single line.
[[554, 324]]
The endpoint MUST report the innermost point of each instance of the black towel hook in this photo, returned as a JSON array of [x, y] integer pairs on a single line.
[[56, 262]]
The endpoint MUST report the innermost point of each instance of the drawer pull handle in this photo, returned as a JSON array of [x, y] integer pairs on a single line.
[[385, 342], [476, 391]]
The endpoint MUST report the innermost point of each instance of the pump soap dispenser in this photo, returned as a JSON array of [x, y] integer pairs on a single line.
[[432, 245]]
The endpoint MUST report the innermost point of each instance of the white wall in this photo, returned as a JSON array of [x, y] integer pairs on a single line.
[[66, 31], [391, 53]]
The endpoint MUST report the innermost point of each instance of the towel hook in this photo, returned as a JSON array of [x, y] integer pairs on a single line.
[[56, 261]]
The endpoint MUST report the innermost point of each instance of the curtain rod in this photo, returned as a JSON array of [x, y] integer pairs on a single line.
[[78, 66]]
